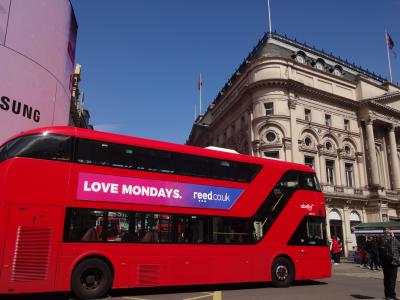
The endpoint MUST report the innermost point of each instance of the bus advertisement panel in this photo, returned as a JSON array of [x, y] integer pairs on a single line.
[[109, 188]]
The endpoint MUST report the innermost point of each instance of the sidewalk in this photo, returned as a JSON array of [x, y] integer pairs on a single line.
[[354, 270]]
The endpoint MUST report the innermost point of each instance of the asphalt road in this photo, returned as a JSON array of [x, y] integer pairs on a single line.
[[348, 282]]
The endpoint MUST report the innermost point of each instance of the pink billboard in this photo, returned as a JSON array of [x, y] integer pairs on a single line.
[[37, 52]]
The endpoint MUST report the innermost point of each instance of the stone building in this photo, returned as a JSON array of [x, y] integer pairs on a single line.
[[78, 115], [291, 101]]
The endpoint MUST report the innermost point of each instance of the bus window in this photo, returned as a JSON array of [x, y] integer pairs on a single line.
[[311, 232], [191, 229], [190, 165], [105, 154], [227, 230], [146, 227], [117, 228], [3, 154], [246, 172], [289, 180], [154, 161], [222, 169], [42, 146], [275, 203], [83, 225]]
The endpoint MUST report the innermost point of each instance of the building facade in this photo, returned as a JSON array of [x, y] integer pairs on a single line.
[[293, 102], [78, 115]]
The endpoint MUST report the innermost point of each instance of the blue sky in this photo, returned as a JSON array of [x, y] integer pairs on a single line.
[[141, 58]]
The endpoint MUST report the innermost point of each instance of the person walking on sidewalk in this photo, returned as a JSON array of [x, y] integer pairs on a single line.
[[336, 249], [389, 251]]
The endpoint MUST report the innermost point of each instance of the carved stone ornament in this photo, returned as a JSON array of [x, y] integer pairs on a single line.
[[292, 103]]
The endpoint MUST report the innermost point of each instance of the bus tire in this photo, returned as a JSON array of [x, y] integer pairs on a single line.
[[91, 279], [282, 272]]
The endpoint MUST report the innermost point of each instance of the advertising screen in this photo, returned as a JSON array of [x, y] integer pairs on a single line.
[[37, 51]]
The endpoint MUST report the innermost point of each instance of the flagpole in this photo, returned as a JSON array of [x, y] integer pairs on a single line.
[[388, 55], [269, 18], [195, 112], [200, 88]]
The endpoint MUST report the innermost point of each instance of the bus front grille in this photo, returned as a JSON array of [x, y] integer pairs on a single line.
[[32, 253]]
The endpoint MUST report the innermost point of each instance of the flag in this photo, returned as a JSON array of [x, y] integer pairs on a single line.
[[200, 83], [389, 41]]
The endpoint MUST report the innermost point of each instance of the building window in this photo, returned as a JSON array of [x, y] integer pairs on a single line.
[[319, 65], [328, 120], [330, 171], [349, 174], [328, 146], [347, 150], [346, 125], [269, 109], [300, 58], [307, 114], [337, 71], [272, 154], [309, 161], [271, 136], [308, 142]]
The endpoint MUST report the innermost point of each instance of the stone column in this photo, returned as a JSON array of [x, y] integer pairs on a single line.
[[372, 154], [357, 175], [394, 158], [342, 176], [251, 133], [346, 230], [328, 227], [287, 148], [322, 171], [361, 170], [293, 129]]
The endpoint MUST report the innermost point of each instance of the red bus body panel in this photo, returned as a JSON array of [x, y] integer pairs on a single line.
[[34, 194]]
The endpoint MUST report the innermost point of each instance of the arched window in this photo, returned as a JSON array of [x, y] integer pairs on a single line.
[[308, 142], [320, 64], [328, 146], [335, 215], [337, 70], [355, 216], [347, 150], [301, 57], [271, 136]]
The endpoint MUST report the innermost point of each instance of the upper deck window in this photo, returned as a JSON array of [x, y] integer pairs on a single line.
[[145, 159], [192, 165], [3, 155], [42, 146], [154, 161], [105, 154]]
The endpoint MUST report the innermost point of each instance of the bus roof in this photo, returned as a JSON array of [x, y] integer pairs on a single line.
[[166, 146]]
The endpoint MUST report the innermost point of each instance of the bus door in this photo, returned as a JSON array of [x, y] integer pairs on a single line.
[[30, 254]]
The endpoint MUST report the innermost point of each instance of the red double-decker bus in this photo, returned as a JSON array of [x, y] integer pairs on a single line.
[[88, 211]]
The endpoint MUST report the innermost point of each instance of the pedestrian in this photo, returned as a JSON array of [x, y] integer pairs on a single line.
[[389, 251], [363, 255], [336, 249], [368, 249], [374, 254]]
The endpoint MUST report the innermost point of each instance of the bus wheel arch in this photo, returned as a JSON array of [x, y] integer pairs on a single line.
[[92, 277], [282, 271]]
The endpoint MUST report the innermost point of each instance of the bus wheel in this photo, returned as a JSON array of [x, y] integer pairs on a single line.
[[91, 279], [282, 272]]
